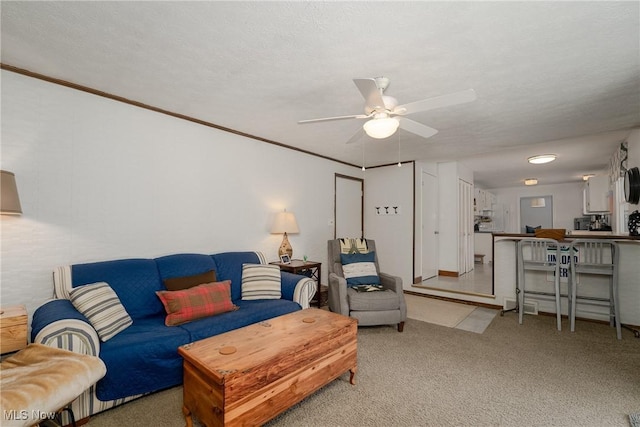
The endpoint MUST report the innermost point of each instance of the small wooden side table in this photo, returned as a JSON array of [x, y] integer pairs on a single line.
[[13, 328], [312, 269]]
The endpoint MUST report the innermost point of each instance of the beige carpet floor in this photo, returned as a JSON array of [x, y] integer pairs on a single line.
[[430, 375]]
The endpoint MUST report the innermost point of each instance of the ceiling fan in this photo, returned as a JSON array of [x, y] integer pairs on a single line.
[[386, 116]]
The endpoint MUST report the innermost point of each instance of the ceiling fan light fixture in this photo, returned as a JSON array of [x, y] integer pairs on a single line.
[[381, 128], [541, 159]]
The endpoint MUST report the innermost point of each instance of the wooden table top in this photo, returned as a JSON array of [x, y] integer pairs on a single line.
[[261, 342]]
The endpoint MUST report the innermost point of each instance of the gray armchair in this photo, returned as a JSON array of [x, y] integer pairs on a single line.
[[369, 308]]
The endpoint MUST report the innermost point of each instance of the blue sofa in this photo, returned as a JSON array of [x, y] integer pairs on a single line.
[[143, 358]]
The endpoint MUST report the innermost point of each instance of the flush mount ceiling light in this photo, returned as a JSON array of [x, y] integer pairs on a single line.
[[380, 128], [541, 159], [530, 181]]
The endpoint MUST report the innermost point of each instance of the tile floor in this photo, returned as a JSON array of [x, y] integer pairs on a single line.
[[450, 314], [477, 281]]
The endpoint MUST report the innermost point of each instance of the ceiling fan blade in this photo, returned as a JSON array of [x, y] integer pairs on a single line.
[[416, 128], [326, 119], [356, 136], [437, 102], [371, 93]]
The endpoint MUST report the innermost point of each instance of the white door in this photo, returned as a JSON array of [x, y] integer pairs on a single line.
[[349, 194], [465, 227], [429, 226]]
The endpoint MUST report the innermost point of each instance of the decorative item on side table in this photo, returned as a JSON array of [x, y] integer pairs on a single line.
[[285, 222], [285, 259]]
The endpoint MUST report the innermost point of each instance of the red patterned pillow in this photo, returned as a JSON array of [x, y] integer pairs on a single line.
[[197, 302]]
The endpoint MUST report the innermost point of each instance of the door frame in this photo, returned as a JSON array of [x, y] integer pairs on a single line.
[[335, 202]]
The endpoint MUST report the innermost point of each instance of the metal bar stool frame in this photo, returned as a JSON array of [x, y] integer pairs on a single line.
[[592, 260], [539, 261]]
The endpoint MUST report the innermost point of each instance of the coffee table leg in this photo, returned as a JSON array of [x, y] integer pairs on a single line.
[[352, 378], [187, 416]]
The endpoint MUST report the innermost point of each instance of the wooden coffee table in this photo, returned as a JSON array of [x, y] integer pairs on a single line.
[[250, 375]]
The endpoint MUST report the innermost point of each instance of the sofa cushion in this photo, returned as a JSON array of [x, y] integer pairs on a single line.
[[360, 269], [186, 282], [141, 359], [184, 265], [229, 267], [102, 308], [197, 302], [135, 281], [372, 301], [260, 281]]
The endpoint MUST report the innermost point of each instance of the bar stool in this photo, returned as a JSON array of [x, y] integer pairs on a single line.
[[599, 257], [539, 255]]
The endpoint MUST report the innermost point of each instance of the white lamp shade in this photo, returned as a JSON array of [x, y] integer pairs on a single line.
[[9, 200], [538, 202], [381, 128], [284, 222]]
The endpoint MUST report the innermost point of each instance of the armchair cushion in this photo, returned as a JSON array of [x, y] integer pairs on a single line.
[[351, 246], [102, 307], [372, 301], [360, 269]]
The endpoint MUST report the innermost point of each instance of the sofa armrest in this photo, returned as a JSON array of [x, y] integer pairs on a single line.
[[338, 294], [58, 324], [298, 288]]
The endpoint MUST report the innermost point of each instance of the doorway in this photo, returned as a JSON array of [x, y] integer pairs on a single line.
[[536, 212], [429, 226], [349, 207]]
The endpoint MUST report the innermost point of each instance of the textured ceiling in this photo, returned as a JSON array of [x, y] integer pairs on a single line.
[[561, 77]]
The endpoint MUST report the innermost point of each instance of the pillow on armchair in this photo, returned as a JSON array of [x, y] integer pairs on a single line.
[[360, 269]]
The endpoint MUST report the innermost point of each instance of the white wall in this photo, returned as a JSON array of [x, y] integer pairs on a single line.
[[634, 148], [567, 203], [391, 186], [99, 180]]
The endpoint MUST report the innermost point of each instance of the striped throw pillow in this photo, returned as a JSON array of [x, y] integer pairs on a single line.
[[197, 302], [360, 269], [102, 307], [260, 281]]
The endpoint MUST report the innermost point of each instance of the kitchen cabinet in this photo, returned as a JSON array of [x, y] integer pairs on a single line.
[[483, 201], [596, 195]]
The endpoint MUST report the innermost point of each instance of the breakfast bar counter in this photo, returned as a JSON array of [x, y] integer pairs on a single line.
[[505, 273]]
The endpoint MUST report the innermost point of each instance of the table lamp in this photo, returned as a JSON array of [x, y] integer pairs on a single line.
[[9, 200], [285, 222]]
